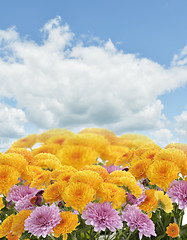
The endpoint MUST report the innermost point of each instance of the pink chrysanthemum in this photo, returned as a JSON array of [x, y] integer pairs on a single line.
[[178, 193], [42, 220], [135, 218], [102, 216], [22, 195], [112, 168]]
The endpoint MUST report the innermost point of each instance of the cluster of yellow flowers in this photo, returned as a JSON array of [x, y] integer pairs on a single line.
[[68, 166]]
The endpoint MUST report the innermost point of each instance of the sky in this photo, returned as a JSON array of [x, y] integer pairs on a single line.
[[120, 65]]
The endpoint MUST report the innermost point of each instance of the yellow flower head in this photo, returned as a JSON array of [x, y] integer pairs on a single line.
[[43, 137], [181, 146], [98, 169], [126, 158], [68, 223], [42, 180], [95, 142], [149, 148], [17, 227], [30, 172], [88, 177], [162, 173], [77, 156], [46, 161], [53, 192], [139, 167], [59, 139], [63, 172], [14, 160], [164, 202], [46, 148], [8, 177], [113, 153], [174, 155], [116, 176], [5, 227], [150, 202], [109, 192], [131, 186], [27, 154], [26, 142], [78, 195], [109, 135], [172, 230]]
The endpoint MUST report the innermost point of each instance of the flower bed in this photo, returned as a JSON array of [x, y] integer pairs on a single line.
[[92, 185]]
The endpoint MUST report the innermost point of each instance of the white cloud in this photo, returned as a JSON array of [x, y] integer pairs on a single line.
[[12, 121], [181, 125], [61, 83], [162, 136]]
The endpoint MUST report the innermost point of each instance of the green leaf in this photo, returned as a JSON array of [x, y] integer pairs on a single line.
[[183, 232]]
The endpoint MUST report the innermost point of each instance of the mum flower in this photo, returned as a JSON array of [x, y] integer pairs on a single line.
[[102, 216], [178, 193], [22, 195], [164, 202], [77, 195], [8, 177], [172, 230], [5, 227], [162, 173], [135, 218], [150, 202], [42, 220], [68, 223]]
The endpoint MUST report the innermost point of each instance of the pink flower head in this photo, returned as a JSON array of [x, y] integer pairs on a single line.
[[22, 195], [135, 218], [42, 220], [102, 216], [178, 193], [112, 168]]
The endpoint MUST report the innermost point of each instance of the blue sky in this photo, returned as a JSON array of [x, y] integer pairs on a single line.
[[120, 65]]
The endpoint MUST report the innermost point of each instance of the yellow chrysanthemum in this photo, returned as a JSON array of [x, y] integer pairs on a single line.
[[65, 176], [113, 153], [109, 192], [77, 156], [26, 142], [1, 203], [88, 177], [125, 159], [5, 227], [30, 172], [115, 177], [162, 173], [150, 154], [164, 202], [53, 192], [46, 148], [17, 227], [69, 170], [109, 135], [95, 142], [181, 146], [59, 139], [8, 177], [78, 195], [98, 169], [139, 167], [42, 180], [68, 223], [174, 155], [147, 147], [27, 154], [14, 160], [150, 202], [43, 137], [131, 186], [133, 140], [46, 161], [172, 230]]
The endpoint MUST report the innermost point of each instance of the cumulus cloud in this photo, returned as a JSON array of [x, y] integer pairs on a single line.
[[162, 136], [66, 83], [181, 124]]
